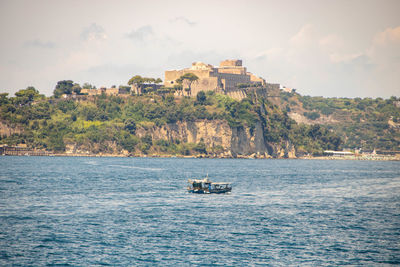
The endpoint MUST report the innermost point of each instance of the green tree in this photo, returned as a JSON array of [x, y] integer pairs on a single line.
[[201, 147], [311, 115], [243, 85], [138, 81], [124, 89], [88, 86], [76, 88], [26, 96], [147, 142], [147, 80], [63, 87], [130, 125], [190, 78], [128, 141], [178, 88], [4, 99], [201, 97]]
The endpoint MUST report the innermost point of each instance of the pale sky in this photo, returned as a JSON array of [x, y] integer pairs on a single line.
[[321, 48]]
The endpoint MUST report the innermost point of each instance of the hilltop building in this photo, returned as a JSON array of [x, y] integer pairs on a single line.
[[104, 90], [223, 79], [229, 78], [147, 87]]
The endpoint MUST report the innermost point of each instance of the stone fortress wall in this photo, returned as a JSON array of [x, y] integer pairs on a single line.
[[208, 79], [103, 90], [222, 79]]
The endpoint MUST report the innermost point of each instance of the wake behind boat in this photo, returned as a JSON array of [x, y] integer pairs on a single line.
[[205, 186]]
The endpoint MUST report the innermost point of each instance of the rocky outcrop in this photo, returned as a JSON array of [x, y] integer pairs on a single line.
[[219, 138], [299, 118], [236, 142], [91, 149], [216, 133], [245, 142], [7, 130]]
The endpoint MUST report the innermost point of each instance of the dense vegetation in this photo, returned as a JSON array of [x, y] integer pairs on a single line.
[[364, 123], [109, 124]]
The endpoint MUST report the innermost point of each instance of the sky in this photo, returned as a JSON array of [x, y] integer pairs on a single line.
[[338, 48]]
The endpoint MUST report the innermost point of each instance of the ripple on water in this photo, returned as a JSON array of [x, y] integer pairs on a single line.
[[132, 211]]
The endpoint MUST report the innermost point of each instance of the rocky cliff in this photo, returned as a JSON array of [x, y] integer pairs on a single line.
[[236, 142], [7, 130]]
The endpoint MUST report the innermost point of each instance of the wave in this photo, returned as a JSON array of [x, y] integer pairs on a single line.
[[138, 168]]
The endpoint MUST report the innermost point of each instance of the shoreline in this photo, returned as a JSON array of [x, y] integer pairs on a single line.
[[360, 158]]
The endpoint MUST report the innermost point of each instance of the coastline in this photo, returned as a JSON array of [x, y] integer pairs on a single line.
[[105, 155]]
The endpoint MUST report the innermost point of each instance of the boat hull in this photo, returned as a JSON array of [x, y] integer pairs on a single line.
[[200, 191], [205, 186]]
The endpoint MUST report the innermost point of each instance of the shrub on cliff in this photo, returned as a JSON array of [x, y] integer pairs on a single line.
[[312, 115], [101, 120]]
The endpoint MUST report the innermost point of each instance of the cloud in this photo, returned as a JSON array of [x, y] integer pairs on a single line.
[[40, 44], [388, 36], [317, 63], [385, 48], [81, 59], [305, 35], [147, 39], [184, 20], [334, 46], [142, 34], [339, 57], [272, 53], [374, 69], [331, 42], [384, 55], [93, 32]]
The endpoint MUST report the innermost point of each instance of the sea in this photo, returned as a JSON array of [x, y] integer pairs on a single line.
[[92, 211]]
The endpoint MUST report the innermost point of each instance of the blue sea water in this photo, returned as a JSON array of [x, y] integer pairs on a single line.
[[136, 211]]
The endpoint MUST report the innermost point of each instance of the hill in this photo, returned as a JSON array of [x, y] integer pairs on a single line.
[[367, 124], [210, 125]]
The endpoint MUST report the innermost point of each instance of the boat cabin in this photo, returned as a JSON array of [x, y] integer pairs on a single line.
[[205, 186]]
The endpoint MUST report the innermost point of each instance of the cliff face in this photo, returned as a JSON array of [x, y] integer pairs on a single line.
[[7, 130], [217, 136], [236, 142]]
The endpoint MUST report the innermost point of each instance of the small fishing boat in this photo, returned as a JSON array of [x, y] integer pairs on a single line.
[[205, 186]]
